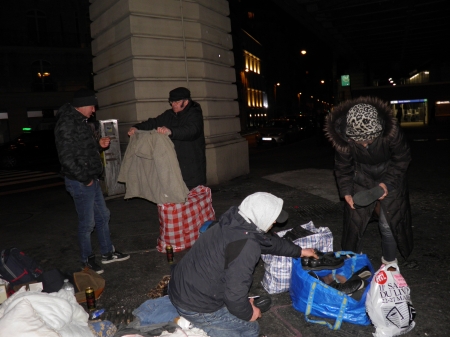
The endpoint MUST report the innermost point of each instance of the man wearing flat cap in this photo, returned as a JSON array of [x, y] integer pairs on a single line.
[[81, 166], [371, 160], [183, 124], [210, 285]]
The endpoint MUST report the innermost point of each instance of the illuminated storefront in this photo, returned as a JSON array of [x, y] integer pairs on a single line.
[[411, 110], [442, 111]]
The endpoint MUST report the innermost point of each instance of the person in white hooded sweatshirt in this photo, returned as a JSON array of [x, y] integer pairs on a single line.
[[210, 285]]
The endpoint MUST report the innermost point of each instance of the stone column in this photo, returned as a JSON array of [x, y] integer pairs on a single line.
[[144, 48]]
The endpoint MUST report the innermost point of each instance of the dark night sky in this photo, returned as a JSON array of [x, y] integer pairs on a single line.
[[283, 39]]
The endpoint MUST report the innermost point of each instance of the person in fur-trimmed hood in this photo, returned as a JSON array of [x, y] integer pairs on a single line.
[[371, 151]]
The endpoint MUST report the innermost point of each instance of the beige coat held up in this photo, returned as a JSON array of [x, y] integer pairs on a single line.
[[150, 169]]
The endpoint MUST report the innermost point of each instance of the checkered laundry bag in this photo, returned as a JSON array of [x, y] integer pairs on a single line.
[[277, 275], [180, 223]]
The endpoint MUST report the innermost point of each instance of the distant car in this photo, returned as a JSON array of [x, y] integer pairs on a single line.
[[306, 124], [35, 147], [279, 132]]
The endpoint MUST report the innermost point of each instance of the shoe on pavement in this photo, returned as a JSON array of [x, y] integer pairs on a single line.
[[114, 256], [91, 264], [263, 302], [365, 198]]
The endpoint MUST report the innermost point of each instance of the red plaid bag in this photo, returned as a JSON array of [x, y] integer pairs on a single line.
[[179, 223]]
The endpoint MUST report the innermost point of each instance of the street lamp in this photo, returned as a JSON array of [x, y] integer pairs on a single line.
[[275, 91], [299, 95], [275, 94]]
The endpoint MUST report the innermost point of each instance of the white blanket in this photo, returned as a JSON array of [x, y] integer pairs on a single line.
[[37, 314]]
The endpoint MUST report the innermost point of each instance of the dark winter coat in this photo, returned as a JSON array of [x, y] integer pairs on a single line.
[[78, 148], [358, 168], [218, 270], [188, 138]]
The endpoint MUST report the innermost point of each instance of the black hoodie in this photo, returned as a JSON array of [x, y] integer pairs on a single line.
[[218, 270]]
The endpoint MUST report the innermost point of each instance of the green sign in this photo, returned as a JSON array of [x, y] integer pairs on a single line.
[[345, 80]]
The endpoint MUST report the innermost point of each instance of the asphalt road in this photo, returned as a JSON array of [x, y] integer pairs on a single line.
[[43, 223]]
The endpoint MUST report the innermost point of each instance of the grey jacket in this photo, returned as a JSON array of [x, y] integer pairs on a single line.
[[151, 171]]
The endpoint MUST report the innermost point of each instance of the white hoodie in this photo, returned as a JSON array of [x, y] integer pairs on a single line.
[[262, 209]]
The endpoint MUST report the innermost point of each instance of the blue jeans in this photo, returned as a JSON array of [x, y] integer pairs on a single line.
[[221, 323], [388, 243], [92, 212]]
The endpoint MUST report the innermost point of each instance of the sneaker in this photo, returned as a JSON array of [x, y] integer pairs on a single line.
[[349, 287], [91, 264], [114, 256], [362, 274]]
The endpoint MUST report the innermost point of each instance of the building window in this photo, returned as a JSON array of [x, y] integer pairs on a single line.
[[37, 27], [252, 63], [255, 98], [251, 15], [422, 77], [42, 76]]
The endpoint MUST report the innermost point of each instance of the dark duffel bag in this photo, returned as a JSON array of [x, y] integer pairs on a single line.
[[18, 268]]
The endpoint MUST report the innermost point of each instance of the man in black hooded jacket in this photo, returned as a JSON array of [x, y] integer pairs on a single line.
[[183, 123], [210, 285]]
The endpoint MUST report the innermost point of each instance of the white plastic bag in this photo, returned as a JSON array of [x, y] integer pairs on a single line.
[[388, 303]]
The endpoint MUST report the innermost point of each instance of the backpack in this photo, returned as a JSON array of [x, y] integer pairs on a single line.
[[18, 268]]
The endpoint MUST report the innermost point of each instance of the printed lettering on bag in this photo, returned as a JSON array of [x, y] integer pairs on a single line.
[[391, 292], [400, 280], [381, 277]]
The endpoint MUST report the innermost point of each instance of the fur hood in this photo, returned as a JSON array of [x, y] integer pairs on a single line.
[[336, 122]]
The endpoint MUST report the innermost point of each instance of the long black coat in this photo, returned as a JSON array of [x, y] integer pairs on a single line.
[[188, 138], [358, 168]]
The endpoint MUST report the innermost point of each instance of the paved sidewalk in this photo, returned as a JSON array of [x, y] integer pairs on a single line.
[[43, 224]]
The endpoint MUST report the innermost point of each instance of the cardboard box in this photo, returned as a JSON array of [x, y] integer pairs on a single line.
[[33, 286], [3, 293]]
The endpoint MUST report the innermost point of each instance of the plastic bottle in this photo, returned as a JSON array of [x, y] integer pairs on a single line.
[[68, 286]]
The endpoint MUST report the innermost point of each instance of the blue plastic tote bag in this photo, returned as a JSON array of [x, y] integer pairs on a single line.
[[313, 297]]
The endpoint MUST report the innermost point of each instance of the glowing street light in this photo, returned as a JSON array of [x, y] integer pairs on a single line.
[[303, 52], [275, 91]]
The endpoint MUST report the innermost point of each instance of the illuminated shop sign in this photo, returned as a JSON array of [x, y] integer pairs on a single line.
[[345, 80], [424, 100]]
